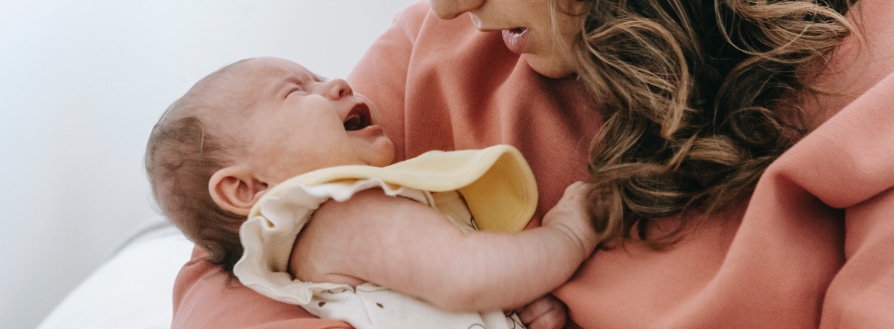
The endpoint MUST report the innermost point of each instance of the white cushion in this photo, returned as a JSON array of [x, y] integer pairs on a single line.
[[131, 290]]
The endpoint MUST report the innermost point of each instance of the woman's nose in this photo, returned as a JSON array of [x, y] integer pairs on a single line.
[[449, 9], [336, 89]]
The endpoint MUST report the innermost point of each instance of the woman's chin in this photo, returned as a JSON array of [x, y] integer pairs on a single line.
[[549, 67]]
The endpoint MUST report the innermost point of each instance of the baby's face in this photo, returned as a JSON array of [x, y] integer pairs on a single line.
[[299, 123]]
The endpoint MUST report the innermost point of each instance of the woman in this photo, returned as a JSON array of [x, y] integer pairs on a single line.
[[692, 238]]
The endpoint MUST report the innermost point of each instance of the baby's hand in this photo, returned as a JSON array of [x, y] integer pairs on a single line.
[[546, 312], [571, 216]]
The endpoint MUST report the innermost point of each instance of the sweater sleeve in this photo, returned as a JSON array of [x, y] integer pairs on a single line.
[[812, 249], [382, 73], [204, 297]]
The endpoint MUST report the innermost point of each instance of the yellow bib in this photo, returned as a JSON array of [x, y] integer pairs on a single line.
[[496, 182]]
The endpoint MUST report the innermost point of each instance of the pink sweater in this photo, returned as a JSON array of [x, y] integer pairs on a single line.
[[793, 258]]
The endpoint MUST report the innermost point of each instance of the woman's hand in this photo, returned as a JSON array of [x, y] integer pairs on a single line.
[[570, 216], [546, 312]]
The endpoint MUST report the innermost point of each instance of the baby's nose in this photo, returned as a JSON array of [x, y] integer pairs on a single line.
[[337, 88]]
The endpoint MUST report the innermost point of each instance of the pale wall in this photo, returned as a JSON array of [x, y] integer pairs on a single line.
[[81, 84]]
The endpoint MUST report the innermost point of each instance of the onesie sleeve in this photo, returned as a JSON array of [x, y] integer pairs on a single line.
[[269, 235]]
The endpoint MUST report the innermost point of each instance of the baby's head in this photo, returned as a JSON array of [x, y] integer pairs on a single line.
[[244, 129]]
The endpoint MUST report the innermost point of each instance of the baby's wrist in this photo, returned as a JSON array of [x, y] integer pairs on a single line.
[[578, 241]]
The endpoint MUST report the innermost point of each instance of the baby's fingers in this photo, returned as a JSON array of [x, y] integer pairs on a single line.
[[547, 312]]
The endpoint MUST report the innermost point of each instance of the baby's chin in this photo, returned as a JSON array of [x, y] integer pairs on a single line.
[[386, 154]]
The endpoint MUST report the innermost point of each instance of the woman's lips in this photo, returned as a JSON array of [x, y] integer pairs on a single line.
[[516, 39]]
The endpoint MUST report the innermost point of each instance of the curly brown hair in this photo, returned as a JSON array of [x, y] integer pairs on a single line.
[[698, 97]]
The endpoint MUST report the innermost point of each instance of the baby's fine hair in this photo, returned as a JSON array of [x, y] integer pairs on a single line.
[[182, 154]]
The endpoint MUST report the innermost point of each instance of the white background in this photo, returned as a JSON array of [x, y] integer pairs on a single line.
[[82, 83]]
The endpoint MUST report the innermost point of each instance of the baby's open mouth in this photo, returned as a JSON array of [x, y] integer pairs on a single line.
[[358, 118]]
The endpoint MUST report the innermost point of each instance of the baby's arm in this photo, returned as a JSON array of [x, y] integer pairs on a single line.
[[411, 248]]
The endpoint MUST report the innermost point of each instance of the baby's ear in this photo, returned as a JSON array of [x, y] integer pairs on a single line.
[[236, 189]]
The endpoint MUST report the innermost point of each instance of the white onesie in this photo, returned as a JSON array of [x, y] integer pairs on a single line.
[[274, 223]]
